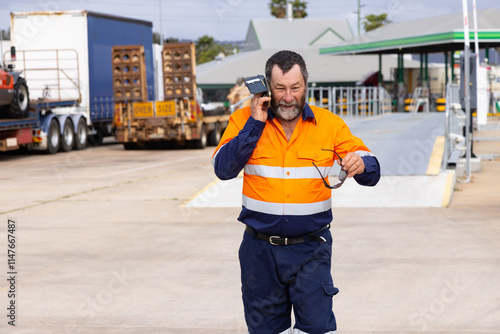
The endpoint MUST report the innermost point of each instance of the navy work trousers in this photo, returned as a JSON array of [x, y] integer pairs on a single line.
[[275, 278]]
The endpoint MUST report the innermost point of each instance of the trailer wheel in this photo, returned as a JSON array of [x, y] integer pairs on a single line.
[[67, 136], [81, 135], [202, 142], [19, 106], [53, 137], [96, 140], [214, 136]]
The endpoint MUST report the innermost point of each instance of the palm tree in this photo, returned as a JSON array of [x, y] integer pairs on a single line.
[[278, 8], [299, 9]]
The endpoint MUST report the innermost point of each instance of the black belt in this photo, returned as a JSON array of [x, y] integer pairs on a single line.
[[282, 241]]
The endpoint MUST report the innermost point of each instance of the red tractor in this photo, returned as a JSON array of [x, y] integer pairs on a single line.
[[14, 95]]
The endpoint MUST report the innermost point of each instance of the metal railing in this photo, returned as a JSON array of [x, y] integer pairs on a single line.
[[345, 101], [419, 98], [237, 105], [351, 102], [51, 74], [455, 142]]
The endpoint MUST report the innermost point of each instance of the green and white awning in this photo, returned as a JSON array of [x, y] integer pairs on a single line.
[[436, 34]]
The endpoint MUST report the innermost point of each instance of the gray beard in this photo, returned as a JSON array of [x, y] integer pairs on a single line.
[[288, 115]]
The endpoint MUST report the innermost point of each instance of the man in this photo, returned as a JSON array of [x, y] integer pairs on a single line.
[[286, 150]]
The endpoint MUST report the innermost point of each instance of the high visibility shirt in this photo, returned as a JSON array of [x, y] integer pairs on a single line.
[[283, 193]]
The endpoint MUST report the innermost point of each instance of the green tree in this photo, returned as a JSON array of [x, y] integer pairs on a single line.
[[172, 40], [374, 21], [278, 8], [207, 49], [299, 9], [156, 38]]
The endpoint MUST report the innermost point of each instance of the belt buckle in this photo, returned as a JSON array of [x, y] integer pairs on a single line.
[[277, 237]]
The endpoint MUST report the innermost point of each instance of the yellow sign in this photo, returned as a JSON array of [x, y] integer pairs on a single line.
[[165, 108], [143, 109]]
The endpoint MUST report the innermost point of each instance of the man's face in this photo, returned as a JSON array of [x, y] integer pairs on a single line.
[[288, 93]]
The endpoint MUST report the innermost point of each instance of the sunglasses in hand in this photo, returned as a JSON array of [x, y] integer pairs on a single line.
[[342, 174]]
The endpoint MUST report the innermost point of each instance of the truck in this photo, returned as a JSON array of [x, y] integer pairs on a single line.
[[24, 123], [176, 120], [64, 60]]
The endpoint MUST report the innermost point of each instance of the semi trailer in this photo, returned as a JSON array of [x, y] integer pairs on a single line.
[[63, 57], [176, 120]]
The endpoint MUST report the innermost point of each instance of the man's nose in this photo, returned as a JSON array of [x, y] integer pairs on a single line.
[[288, 96]]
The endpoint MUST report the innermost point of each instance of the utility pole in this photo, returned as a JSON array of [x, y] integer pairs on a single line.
[[161, 26], [359, 16], [466, 76]]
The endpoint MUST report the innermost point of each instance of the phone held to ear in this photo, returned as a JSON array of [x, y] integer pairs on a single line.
[[257, 85]]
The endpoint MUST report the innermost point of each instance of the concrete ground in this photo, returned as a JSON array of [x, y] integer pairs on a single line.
[[104, 245], [409, 148]]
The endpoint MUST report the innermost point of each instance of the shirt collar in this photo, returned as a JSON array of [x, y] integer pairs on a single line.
[[307, 113]]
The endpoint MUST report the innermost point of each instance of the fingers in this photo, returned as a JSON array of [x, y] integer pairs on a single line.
[[258, 106], [353, 164]]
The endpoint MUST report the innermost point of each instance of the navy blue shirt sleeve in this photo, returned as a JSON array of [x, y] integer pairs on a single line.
[[371, 174], [233, 156]]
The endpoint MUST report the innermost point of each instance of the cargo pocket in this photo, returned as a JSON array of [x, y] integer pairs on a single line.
[[246, 308], [328, 292]]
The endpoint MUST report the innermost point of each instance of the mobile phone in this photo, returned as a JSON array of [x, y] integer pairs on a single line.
[[257, 84]]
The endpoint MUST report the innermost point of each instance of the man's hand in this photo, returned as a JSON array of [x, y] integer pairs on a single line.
[[353, 164], [258, 106]]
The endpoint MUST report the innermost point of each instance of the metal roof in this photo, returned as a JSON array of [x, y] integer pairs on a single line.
[[283, 34], [305, 36], [429, 35], [321, 69]]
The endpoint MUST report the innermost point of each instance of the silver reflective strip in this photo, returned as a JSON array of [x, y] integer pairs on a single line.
[[215, 155], [364, 154], [287, 172], [292, 209], [298, 331]]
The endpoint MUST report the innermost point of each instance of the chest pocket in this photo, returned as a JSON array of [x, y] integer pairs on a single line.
[[320, 157], [262, 156]]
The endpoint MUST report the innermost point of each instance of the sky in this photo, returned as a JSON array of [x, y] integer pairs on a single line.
[[228, 20]]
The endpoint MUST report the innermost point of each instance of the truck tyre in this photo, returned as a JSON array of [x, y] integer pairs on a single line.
[[53, 137], [19, 107], [214, 136], [202, 142], [67, 136], [96, 140], [81, 135]]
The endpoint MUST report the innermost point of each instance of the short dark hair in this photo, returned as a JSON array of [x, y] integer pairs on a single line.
[[285, 60]]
